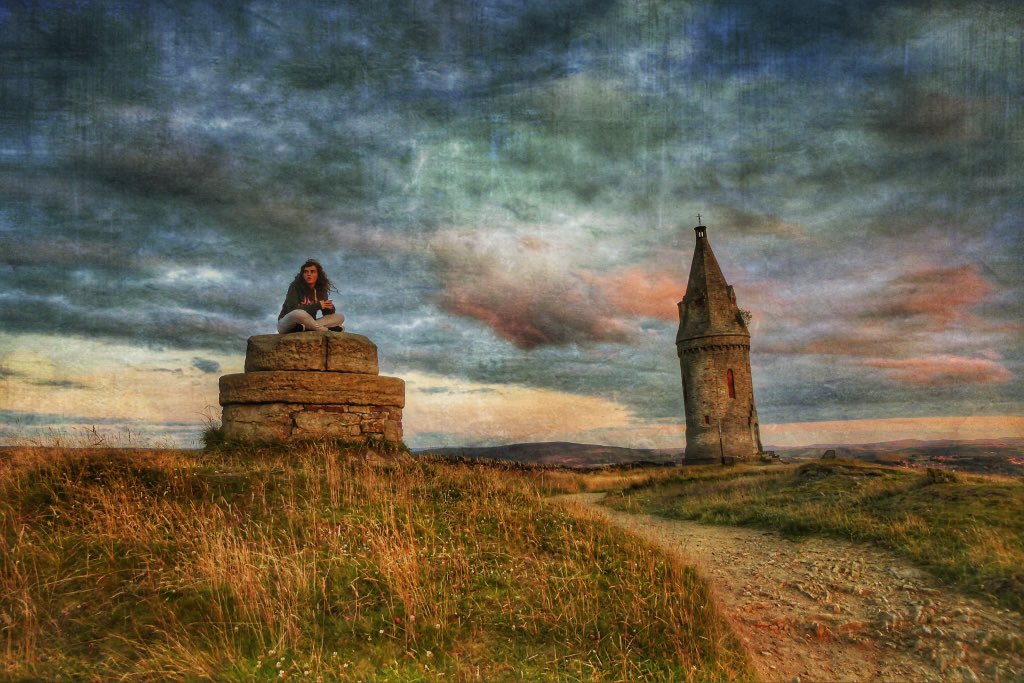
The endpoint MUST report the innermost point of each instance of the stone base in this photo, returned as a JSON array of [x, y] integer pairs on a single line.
[[283, 422], [311, 385]]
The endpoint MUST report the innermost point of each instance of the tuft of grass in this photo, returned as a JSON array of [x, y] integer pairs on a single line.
[[212, 437], [323, 562], [965, 529]]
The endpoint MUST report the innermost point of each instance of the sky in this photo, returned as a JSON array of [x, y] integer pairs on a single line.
[[504, 192]]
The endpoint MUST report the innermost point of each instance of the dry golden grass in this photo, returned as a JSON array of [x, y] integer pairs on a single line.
[[324, 563]]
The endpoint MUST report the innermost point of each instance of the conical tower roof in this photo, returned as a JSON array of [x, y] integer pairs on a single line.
[[709, 305]]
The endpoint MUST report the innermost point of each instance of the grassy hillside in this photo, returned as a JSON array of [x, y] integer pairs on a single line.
[[321, 563], [966, 529]]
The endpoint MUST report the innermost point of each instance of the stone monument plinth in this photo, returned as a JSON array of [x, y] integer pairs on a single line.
[[310, 385]]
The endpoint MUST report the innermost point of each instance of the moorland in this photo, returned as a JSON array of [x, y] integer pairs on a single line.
[[332, 561]]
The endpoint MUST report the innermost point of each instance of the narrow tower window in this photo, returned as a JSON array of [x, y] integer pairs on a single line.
[[731, 383]]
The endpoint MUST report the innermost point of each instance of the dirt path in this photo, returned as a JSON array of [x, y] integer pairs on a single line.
[[825, 610]]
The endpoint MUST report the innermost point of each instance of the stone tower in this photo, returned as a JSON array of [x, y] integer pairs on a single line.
[[713, 345]]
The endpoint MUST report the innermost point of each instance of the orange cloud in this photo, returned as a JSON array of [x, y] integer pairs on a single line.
[[528, 300], [931, 371], [941, 295], [638, 292]]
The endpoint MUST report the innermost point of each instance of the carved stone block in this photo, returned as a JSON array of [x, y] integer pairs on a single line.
[[312, 387]]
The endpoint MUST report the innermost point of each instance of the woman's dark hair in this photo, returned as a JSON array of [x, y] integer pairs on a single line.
[[323, 283]]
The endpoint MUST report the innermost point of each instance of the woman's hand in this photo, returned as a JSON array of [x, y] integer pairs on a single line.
[[327, 305]]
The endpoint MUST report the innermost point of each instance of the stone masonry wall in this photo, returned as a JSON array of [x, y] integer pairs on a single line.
[[705, 364], [310, 385]]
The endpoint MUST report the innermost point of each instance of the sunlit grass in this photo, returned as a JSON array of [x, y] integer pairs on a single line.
[[335, 564], [966, 529]]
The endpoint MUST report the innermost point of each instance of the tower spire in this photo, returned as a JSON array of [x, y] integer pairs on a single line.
[[709, 298]]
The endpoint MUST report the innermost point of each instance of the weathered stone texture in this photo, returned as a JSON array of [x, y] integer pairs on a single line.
[[351, 353], [312, 351], [312, 387], [323, 423], [261, 422], [393, 430], [282, 422], [301, 351]]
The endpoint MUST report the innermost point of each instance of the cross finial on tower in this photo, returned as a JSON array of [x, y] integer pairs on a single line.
[[698, 219]]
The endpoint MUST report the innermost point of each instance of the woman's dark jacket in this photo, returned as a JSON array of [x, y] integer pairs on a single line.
[[299, 298]]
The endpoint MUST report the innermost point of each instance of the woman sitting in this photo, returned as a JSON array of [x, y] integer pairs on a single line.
[[308, 294]]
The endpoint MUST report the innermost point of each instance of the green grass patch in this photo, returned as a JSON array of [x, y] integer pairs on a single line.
[[967, 530], [332, 563]]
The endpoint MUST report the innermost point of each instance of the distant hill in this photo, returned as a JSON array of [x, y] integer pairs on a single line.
[[564, 454], [983, 456], [986, 456]]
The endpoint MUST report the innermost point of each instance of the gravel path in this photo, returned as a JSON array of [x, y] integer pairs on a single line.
[[825, 610]]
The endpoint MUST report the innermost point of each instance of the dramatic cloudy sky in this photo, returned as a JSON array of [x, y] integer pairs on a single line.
[[504, 192]]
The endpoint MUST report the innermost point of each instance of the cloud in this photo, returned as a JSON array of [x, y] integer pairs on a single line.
[[205, 365], [928, 116], [166, 167], [945, 370], [638, 292], [854, 342], [477, 413], [181, 327], [938, 295], [750, 222], [149, 158], [915, 312], [29, 368], [7, 374], [103, 379], [524, 298]]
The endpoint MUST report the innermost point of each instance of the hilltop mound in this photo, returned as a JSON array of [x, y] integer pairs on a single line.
[[317, 562]]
